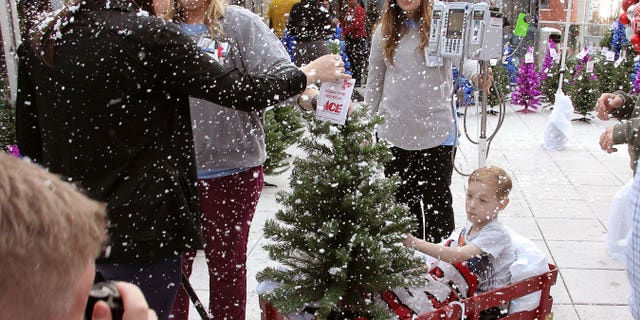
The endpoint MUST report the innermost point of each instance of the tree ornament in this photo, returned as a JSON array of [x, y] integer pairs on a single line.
[[633, 14], [623, 18], [627, 3]]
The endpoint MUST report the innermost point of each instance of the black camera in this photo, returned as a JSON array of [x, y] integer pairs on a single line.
[[108, 292]]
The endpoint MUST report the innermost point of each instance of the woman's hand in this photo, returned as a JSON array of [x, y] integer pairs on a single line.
[[483, 81], [328, 68]]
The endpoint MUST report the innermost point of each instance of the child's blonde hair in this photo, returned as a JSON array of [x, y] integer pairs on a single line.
[[495, 175], [213, 13]]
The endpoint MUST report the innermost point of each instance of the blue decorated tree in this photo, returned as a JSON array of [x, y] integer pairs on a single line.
[[512, 69], [289, 42], [618, 38], [527, 91], [465, 85], [615, 75]]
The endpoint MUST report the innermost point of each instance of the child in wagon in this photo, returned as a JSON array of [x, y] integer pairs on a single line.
[[478, 256]]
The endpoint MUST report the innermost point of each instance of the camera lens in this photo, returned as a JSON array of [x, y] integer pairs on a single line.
[[108, 292]]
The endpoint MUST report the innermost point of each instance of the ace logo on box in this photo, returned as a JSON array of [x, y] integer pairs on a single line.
[[334, 100], [333, 107]]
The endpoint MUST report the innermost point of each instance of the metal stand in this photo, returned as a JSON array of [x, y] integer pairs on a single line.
[[482, 139], [194, 298]]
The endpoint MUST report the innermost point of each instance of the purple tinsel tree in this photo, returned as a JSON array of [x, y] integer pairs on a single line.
[[13, 150], [548, 61], [526, 92], [635, 78]]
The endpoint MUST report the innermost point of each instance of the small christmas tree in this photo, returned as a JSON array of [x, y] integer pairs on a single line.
[[339, 236], [550, 75], [582, 87], [614, 75], [527, 92], [618, 38], [7, 124], [501, 81], [283, 128]]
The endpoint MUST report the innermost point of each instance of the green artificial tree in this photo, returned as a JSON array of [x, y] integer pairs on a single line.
[[550, 84], [339, 235], [612, 77], [606, 39], [7, 123], [283, 128], [550, 74], [582, 87], [501, 81]]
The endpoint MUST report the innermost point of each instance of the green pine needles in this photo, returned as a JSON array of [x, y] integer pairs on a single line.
[[7, 123], [283, 128], [339, 235]]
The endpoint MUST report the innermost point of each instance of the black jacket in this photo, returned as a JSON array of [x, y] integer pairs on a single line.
[[309, 21], [113, 115]]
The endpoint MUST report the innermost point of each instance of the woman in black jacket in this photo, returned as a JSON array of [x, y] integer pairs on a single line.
[[103, 101]]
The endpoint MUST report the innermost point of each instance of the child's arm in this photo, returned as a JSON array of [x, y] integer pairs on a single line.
[[447, 254]]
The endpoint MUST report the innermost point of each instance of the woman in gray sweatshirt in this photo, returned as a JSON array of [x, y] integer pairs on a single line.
[[412, 91]]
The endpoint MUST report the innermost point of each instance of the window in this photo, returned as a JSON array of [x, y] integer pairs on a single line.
[[544, 4]]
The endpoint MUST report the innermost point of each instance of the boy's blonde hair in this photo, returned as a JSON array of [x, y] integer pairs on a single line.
[[496, 176], [49, 233]]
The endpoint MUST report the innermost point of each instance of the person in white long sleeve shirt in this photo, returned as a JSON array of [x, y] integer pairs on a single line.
[[412, 91]]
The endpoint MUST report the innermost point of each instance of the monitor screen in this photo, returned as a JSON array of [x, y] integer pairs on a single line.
[[454, 24]]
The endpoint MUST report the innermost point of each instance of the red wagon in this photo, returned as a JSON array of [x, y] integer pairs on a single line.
[[474, 305]]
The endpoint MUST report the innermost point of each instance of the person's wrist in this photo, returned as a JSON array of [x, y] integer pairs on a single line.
[[310, 73]]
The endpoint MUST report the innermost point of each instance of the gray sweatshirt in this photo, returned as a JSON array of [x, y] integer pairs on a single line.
[[413, 97], [225, 138]]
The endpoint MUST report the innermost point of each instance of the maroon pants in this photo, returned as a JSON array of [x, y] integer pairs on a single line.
[[228, 204]]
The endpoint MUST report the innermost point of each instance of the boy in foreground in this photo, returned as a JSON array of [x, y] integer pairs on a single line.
[[478, 256]]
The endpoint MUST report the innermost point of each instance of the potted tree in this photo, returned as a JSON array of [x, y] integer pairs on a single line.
[[338, 237]]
